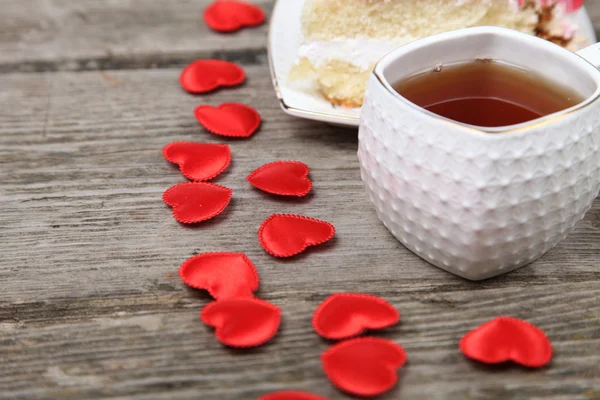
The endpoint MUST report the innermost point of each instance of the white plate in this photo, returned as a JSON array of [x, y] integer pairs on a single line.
[[285, 34]]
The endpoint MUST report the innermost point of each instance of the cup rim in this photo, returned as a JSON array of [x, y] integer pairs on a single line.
[[513, 129]]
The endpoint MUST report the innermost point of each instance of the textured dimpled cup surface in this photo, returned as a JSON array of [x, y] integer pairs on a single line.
[[479, 202]]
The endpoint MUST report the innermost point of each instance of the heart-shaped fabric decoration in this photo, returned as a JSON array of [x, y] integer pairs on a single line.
[[203, 76], [507, 339], [198, 161], [291, 395], [364, 366], [230, 15], [345, 315], [223, 275], [285, 235], [242, 322], [197, 201], [229, 119], [285, 178]]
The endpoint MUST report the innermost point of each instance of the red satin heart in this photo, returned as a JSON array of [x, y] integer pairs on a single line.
[[198, 161], [345, 315], [242, 322], [507, 339], [223, 275], [285, 178], [285, 235], [229, 119], [229, 15], [203, 76], [197, 201], [291, 395], [364, 366]]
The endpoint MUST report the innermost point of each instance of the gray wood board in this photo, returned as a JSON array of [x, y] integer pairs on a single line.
[[92, 306], [48, 35]]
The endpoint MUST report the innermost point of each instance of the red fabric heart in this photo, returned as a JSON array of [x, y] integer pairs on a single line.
[[345, 315], [197, 201], [507, 339], [364, 366], [285, 235], [229, 119], [229, 15], [285, 178], [199, 161], [223, 275], [291, 395], [242, 322], [203, 76]]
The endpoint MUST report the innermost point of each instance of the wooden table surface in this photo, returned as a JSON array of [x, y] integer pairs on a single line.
[[91, 305]]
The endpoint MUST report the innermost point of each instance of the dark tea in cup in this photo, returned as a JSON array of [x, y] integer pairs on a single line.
[[487, 93]]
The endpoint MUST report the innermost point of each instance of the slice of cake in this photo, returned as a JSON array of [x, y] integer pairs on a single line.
[[344, 39]]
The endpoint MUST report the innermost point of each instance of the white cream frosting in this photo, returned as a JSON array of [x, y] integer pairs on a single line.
[[362, 52]]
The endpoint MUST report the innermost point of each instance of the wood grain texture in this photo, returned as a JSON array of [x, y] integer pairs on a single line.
[[91, 305], [49, 35]]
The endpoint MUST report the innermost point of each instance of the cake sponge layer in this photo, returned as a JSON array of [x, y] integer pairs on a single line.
[[331, 19], [340, 82]]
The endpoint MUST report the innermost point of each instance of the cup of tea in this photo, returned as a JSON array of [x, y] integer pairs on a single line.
[[480, 148]]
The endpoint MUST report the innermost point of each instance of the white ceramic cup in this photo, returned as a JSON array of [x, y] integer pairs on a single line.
[[479, 202]]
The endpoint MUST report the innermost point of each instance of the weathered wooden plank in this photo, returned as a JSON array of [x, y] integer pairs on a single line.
[[91, 305], [49, 35], [41, 35], [169, 354]]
